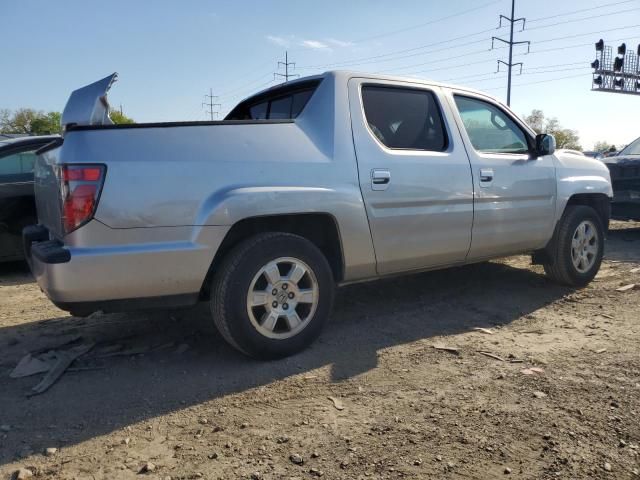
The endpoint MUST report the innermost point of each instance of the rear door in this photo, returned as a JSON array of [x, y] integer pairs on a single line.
[[414, 175], [515, 191]]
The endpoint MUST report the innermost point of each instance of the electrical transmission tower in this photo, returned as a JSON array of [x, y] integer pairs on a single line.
[[286, 75], [211, 105], [512, 20]]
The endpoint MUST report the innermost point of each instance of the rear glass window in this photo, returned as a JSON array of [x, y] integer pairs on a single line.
[[404, 118], [279, 104], [259, 111]]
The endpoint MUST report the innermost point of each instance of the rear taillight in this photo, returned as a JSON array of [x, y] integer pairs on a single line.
[[80, 188]]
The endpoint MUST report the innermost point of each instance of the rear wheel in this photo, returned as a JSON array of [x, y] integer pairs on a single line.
[[578, 248], [272, 295]]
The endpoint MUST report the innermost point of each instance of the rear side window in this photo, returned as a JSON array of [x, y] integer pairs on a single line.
[[280, 104], [18, 163], [404, 118], [490, 129]]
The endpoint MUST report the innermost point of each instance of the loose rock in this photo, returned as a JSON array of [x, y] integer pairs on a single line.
[[50, 452], [297, 459], [147, 468], [23, 474]]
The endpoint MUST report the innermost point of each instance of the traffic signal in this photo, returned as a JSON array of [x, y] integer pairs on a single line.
[[618, 63], [616, 73]]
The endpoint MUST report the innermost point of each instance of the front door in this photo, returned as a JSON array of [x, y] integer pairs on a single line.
[[515, 191], [414, 175]]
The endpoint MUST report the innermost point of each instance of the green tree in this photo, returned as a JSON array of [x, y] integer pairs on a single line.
[[603, 146], [120, 118], [535, 120], [565, 137], [28, 121], [46, 124]]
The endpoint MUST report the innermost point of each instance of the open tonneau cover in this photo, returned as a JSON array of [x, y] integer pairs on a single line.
[[88, 105]]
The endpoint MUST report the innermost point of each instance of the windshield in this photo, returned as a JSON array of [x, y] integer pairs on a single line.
[[632, 149]]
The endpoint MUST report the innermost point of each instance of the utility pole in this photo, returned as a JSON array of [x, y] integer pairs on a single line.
[[286, 75], [210, 104], [512, 20]]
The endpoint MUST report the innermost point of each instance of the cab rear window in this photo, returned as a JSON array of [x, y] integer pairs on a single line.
[[283, 103]]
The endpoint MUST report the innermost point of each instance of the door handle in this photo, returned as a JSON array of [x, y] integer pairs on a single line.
[[486, 175], [380, 178]]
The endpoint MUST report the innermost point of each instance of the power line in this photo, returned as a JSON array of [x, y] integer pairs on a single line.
[[286, 75], [512, 20], [606, 5], [244, 86], [478, 52], [375, 58], [540, 81], [430, 22], [364, 60], [210, 103], [573, 20]]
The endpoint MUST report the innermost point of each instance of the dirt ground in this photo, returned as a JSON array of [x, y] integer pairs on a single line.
[[162, 396]]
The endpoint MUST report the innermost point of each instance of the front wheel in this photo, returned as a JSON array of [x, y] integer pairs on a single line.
[[578, 248], [272, 295]]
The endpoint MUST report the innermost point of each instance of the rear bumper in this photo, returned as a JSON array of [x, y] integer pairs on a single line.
[[123, 276]]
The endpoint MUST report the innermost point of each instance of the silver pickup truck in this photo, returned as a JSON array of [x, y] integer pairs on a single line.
[[323, 181]]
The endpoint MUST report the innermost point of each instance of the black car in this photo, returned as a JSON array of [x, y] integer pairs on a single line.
[[17, 203], [625, 177]]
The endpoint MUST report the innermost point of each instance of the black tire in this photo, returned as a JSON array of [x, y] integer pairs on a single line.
[[233, 278], [563, 270]]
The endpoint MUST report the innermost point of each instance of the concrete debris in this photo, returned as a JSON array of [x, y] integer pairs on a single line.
[[336, 403], [64, 360], [445, 348]]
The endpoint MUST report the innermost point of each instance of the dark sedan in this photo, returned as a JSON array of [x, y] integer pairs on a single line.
[[17, 204], [625, 177]]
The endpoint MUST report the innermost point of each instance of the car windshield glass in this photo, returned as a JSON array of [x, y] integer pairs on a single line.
[[632, 149]]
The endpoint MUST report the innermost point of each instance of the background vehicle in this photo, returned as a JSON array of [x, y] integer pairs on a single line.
[[596, 155], [327, 180], [625, 177], [17, 203]]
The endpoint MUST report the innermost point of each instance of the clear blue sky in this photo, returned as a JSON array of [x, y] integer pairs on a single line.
[[169, 53]]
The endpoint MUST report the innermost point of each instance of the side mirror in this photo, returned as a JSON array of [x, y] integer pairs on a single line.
[[545, 144]]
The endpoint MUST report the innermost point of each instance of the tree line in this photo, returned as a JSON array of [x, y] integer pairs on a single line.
[[27, 121]]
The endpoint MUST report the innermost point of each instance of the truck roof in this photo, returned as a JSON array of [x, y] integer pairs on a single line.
[[347, 74]]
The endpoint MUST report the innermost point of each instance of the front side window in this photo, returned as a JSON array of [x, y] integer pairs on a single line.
[[490, 130], [404, 118]]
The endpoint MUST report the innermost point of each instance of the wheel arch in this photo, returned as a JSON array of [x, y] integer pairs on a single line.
[[599, 202], [320, 228]]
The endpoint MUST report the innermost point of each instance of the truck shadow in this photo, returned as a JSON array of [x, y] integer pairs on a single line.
[[14, 273], [618, 240], [128, 389]]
